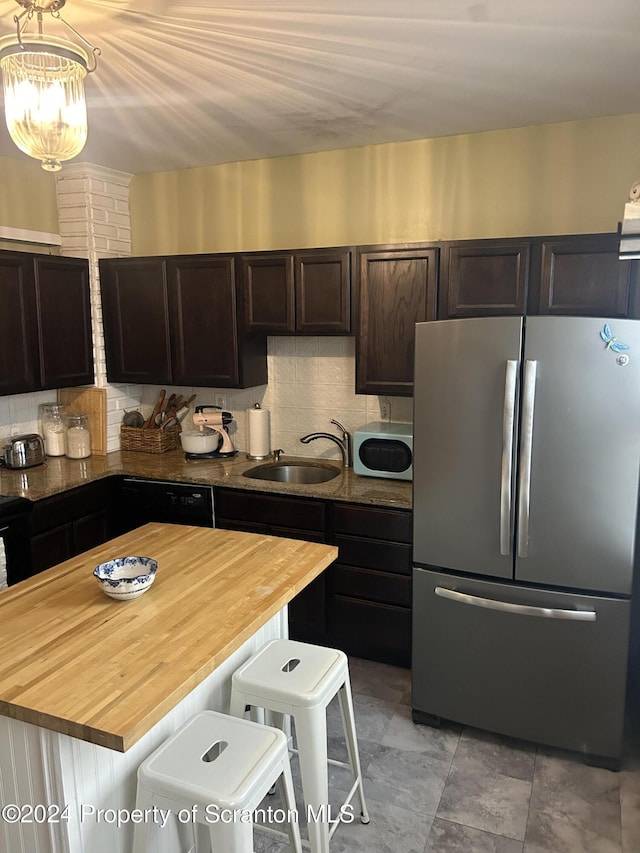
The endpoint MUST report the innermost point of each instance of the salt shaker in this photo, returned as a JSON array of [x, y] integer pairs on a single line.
[[53, 428], [78, 440]]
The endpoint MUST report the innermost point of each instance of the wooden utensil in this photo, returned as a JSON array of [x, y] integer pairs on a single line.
[[151, 420]]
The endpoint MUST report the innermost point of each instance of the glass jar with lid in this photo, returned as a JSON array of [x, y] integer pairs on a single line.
[[78, 438], [53, 428]]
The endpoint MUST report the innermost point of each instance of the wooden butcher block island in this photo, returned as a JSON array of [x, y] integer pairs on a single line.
[[81, 672], [79, 662]]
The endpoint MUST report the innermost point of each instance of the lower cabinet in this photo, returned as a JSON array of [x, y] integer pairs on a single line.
[[362, 603], [69, 523], [369, 601]]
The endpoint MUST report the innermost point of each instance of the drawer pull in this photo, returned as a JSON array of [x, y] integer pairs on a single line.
[[521, 609]]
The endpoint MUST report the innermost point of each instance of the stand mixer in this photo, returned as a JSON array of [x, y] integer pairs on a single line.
[[216, 419]]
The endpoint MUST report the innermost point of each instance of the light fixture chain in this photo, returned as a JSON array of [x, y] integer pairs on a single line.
[[95, 51], [27, 14]]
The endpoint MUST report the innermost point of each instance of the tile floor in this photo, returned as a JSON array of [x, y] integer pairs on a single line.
[[460, 790]]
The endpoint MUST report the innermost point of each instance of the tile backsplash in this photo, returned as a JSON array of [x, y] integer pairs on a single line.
[[20, 413], [311, 381]]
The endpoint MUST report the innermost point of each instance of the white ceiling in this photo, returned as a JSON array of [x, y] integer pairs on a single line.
[[183, 84]]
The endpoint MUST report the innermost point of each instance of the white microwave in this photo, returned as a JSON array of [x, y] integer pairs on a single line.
[[384, 450]]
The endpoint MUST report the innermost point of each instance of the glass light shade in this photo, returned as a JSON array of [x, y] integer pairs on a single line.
[[44, 101]]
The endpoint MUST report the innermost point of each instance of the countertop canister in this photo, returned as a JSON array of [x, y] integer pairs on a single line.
[[53, 428], [78, 439]]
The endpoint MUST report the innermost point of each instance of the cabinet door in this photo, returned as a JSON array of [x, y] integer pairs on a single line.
[[91, 530], [323, 292], [202, 297], [583, 276], [52, 547], [397, 289], [64, 320], [136, 320], [18, 326], [486, 278], [267, 293]]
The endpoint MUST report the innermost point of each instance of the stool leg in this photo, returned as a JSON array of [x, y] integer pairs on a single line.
[[144, 801], [238, 703], [349, 725], [285, 783], [236, 837], [311, 736]]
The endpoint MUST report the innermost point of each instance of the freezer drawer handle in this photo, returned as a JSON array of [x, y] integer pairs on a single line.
[[524, 491], [521, 609], [506, 474]]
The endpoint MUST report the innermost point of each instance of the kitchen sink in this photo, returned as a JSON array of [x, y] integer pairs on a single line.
[[293, 472]]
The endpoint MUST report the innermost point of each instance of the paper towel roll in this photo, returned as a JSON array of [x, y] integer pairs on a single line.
[[259, 432]]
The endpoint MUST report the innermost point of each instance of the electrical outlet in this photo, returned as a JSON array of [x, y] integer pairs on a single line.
[[220, 400], [385, 409]]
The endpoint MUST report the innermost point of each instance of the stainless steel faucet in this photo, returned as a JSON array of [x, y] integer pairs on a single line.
[[344, 442]]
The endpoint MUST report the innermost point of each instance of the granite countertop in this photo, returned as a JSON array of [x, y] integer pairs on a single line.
[[59, 474]]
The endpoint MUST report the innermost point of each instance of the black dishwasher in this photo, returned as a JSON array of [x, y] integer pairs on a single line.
[[141, 501]]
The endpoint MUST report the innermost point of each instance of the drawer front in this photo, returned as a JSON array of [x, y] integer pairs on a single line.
[[69, 506], [373, 554], [372, 586], [388, 524], [269, 509], [375, 631]]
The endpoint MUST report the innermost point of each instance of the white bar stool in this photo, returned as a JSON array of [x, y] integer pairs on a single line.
[[222, 763], [300, 679]]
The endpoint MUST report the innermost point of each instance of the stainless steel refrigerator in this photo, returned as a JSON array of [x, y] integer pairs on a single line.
[[526, 464]]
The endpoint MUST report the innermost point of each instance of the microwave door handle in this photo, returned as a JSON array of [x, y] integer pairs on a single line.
[[506, 469], [526, 447]]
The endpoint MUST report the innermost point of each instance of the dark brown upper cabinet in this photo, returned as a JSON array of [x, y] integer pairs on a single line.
[[64, 321], [568, 275], [206, 348], [583, 276], [45, 325], [174, 320], [18, 325], [484, 278], [136, 319], [305, 292], [396, 289]]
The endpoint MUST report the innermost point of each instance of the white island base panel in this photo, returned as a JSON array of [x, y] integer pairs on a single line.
[[68, 792]]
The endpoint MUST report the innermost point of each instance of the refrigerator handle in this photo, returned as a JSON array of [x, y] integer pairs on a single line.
[[506, 471], [526, 445], [521, 609]]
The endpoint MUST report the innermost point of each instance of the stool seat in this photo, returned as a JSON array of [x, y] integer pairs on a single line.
[[298, 674], [219, 762], [290, 678]]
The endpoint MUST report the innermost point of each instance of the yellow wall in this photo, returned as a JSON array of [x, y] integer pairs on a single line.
[[565, 178], [27, 196]]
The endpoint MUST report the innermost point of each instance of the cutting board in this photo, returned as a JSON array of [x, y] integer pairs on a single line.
[[93, 402]]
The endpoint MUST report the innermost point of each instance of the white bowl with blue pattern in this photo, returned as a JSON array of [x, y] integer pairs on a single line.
[[126, 578]]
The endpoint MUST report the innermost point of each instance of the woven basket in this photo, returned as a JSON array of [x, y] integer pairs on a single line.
[[149, 440]]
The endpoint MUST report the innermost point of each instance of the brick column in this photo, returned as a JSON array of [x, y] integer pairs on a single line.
[[93, 212]]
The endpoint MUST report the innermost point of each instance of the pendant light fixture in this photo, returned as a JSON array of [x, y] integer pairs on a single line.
[[43, 82]]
